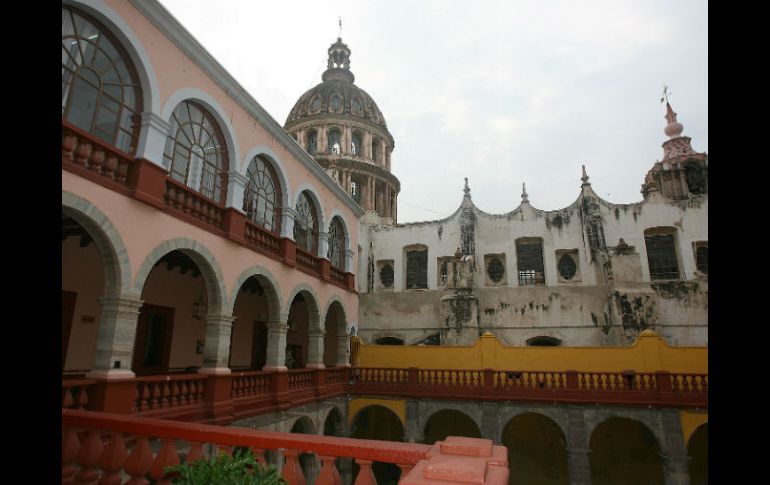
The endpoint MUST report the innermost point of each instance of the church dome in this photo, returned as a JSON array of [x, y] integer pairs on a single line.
[[336, 95]]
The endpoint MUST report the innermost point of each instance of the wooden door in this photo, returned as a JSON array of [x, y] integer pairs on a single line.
[[152, 347], [67, 313]]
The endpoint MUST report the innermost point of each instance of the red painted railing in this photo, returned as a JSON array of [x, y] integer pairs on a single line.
[[258, 236], [87, 457], [250, 383], [171, 391], [308, 262], [337, 275], [87, 155], [659, 388], [186, 200], [75, 393]]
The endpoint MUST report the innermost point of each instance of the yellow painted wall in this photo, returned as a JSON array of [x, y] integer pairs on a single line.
[[649, 353], [690, 422], [398, 406]]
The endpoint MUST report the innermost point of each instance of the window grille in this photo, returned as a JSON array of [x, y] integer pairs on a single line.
[[567, 267], [530, 263], [702, 259], [661, 256], [261, 197], [416, 269], [386, 276], [495, 270]]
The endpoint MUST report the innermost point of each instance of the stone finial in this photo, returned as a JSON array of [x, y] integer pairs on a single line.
[[524, 195], [466, 189], [673, 128], [584, 178]]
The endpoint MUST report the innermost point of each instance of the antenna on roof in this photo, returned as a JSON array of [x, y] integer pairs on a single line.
[[665, 94]]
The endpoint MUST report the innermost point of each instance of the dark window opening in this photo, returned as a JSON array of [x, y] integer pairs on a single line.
[[530, 263], [434, 339], [696, 182], [389, 341], [702, 259], [334, 142], [496, 270], [543, 342], [567, 267], [386, 276], [416, 269], [444, 273], [312, 142], [661, 256]]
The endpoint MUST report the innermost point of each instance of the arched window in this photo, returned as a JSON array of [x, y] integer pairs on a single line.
[[336, 252], [262, 196], [355, 144], [196, 152], [306, 224], [312, 141], [334, 141], [375, 149], [100, 91]]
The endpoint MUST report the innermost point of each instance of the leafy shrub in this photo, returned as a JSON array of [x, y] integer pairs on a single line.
[[240, 469]]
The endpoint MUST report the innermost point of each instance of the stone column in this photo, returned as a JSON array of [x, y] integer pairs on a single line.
[[382, 152], [395, 207], [348, 261], [315, 349], [386, 207], [490, 425], [347, 136], [387, 159], [216, 349], [276, 346], [322, 139], [367, 141], [364, 188], [343, 350], [673, 449], [152, 140], [413, 429], [236, 185], [323, 245], [370, 201], [379, 202], [115, 341], [578, 452], [287, 215]]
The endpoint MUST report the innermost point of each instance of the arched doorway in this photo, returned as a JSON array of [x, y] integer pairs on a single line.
[[697, 454], [298, 337], [449, 422], [307, 461], [625, 451], [255, 306], [171, 329], [335, 326], [334, 425], [378, 423], [83, 284], [537, 451]]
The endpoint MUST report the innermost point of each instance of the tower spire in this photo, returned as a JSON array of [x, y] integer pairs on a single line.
[[466, 189], [338, 64], [584, 178], [524, 195]]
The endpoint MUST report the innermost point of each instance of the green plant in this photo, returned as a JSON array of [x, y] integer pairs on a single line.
[[240, 469]]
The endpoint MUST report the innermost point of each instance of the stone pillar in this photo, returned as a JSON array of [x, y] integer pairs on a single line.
[[364, 195], [216, 349], [347, 136], [387, 159], [236, 185], [115, 342], [386, 207], [343, 350], [380, 202], [367, 141], [348, 261], [490, 425], [413, 429], [323, 245], [322, 139], [395, 207], [315, 349], [673, 449], [370, 201], [152, 140], [578, 452], [382, 152], [287, 215], [276, 346]]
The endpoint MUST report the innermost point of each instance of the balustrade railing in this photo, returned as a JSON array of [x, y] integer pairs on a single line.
[[337, 275], [109, 448], [75, 393], [300, 378], [260, 237], [170, 391], [250, 383], [84, 150], [308, 261], [184, 199], [628, 387]]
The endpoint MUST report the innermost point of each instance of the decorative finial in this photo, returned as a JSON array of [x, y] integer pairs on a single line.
[[665, 94], [584, 178], [524, 196], [467, 189], [673, 128], [340, 35]]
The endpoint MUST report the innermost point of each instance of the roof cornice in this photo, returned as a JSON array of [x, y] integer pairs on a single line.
[[185, 42]]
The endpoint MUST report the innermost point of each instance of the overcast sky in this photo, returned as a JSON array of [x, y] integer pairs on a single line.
[[501, 92]]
